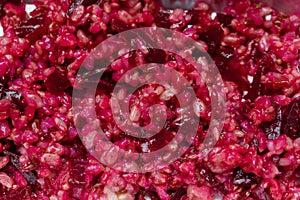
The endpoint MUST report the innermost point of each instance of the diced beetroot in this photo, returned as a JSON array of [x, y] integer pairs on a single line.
[[156, 56], [28, 26], [57, 82], [222, 60], [291, 122], [255, 53], [159, 140], [256, 87], [134, 58], [225, 19], [161, 18], [16, 2], [223, 57], [2, 3], [117, 25], [33, 27], [195, 16], [212, 37], [105, 85]]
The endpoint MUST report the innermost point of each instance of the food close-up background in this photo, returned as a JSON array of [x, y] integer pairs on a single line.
[[255, 47]]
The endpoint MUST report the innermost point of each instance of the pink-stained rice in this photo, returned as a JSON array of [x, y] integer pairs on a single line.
[[256, 49]]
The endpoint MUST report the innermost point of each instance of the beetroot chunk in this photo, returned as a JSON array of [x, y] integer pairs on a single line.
[[291, 122], [162, 18], [2, 13], [57, 82], [118, 25], [156, 56], [32, 28], [222, 59], [225, 19], [212, 37]]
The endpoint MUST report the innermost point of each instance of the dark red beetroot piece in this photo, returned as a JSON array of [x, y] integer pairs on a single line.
[[34, 27], [291, 122], [57, 81], [256, 157]]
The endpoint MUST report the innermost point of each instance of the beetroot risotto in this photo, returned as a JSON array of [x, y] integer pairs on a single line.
[[254, 46]]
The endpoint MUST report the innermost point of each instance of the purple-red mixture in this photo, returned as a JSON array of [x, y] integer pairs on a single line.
[[256, 49]]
